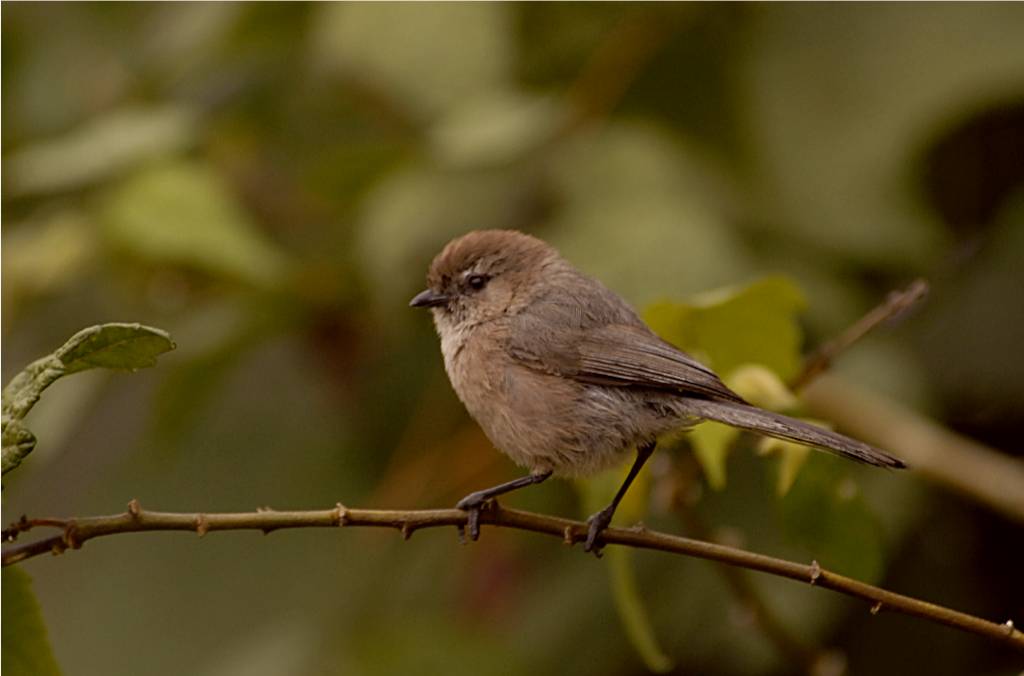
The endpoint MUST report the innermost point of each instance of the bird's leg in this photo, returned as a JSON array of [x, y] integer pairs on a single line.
[[599, 521], [474, 502]]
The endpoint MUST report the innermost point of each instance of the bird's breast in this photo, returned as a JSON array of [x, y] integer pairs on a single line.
[[542, 421]]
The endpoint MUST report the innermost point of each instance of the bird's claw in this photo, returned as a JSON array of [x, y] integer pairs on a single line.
[[595, 526], [472, 504]]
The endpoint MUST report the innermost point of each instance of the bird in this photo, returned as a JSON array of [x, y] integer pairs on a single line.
[[564, 377]]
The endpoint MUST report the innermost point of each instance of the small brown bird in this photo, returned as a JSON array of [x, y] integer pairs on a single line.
[[564, 377]]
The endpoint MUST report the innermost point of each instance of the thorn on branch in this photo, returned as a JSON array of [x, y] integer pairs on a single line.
[[407, 530], [134, 508], [11, 533], [340, 515], [815, 572], [266, 530], [74, 532], [70, 538]]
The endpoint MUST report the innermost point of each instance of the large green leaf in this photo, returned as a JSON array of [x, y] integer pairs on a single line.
[[182, 213], [750, 335], [26, 648], [757, 323], [112, 346]]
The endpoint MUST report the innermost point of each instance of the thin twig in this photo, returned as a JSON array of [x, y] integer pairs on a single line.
[[79, 530], [895, 304], [966, 466]]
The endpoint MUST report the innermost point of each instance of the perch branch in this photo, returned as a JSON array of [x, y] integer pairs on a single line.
[[75, 532]]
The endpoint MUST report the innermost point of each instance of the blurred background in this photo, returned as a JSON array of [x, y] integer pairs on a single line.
[[269, 181]]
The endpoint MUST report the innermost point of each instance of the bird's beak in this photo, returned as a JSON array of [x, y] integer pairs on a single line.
[[428, 298]]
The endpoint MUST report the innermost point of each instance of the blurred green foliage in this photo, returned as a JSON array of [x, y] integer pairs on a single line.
[[595, 494], [269, 181], [26, 648]]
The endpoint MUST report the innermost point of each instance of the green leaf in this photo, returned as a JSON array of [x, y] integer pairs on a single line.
[[18, 442], [757, 323], [26, 648], [595, 493], [825, 514], [711, 442], [113, 346], [182, 213], [751, 335], [761, 387], [792, 457]]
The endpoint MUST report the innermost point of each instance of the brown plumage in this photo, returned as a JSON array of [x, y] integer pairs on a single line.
[[564, 377]]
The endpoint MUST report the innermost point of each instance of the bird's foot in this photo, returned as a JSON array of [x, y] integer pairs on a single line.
[[595, 526], [472, 504]]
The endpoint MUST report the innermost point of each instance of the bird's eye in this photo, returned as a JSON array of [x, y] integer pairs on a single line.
[[476, 282]]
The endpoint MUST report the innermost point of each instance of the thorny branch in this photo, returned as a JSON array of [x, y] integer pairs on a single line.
[[75, 532]]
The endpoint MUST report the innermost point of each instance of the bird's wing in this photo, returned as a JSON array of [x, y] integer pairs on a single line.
[[622, 355]]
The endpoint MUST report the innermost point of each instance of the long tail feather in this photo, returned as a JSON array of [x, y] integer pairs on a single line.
[[790, 429]]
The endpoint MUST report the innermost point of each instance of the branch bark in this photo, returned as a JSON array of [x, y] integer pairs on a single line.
[[75, 532]]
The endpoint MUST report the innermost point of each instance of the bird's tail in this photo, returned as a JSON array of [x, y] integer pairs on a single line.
[[790, 429]]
